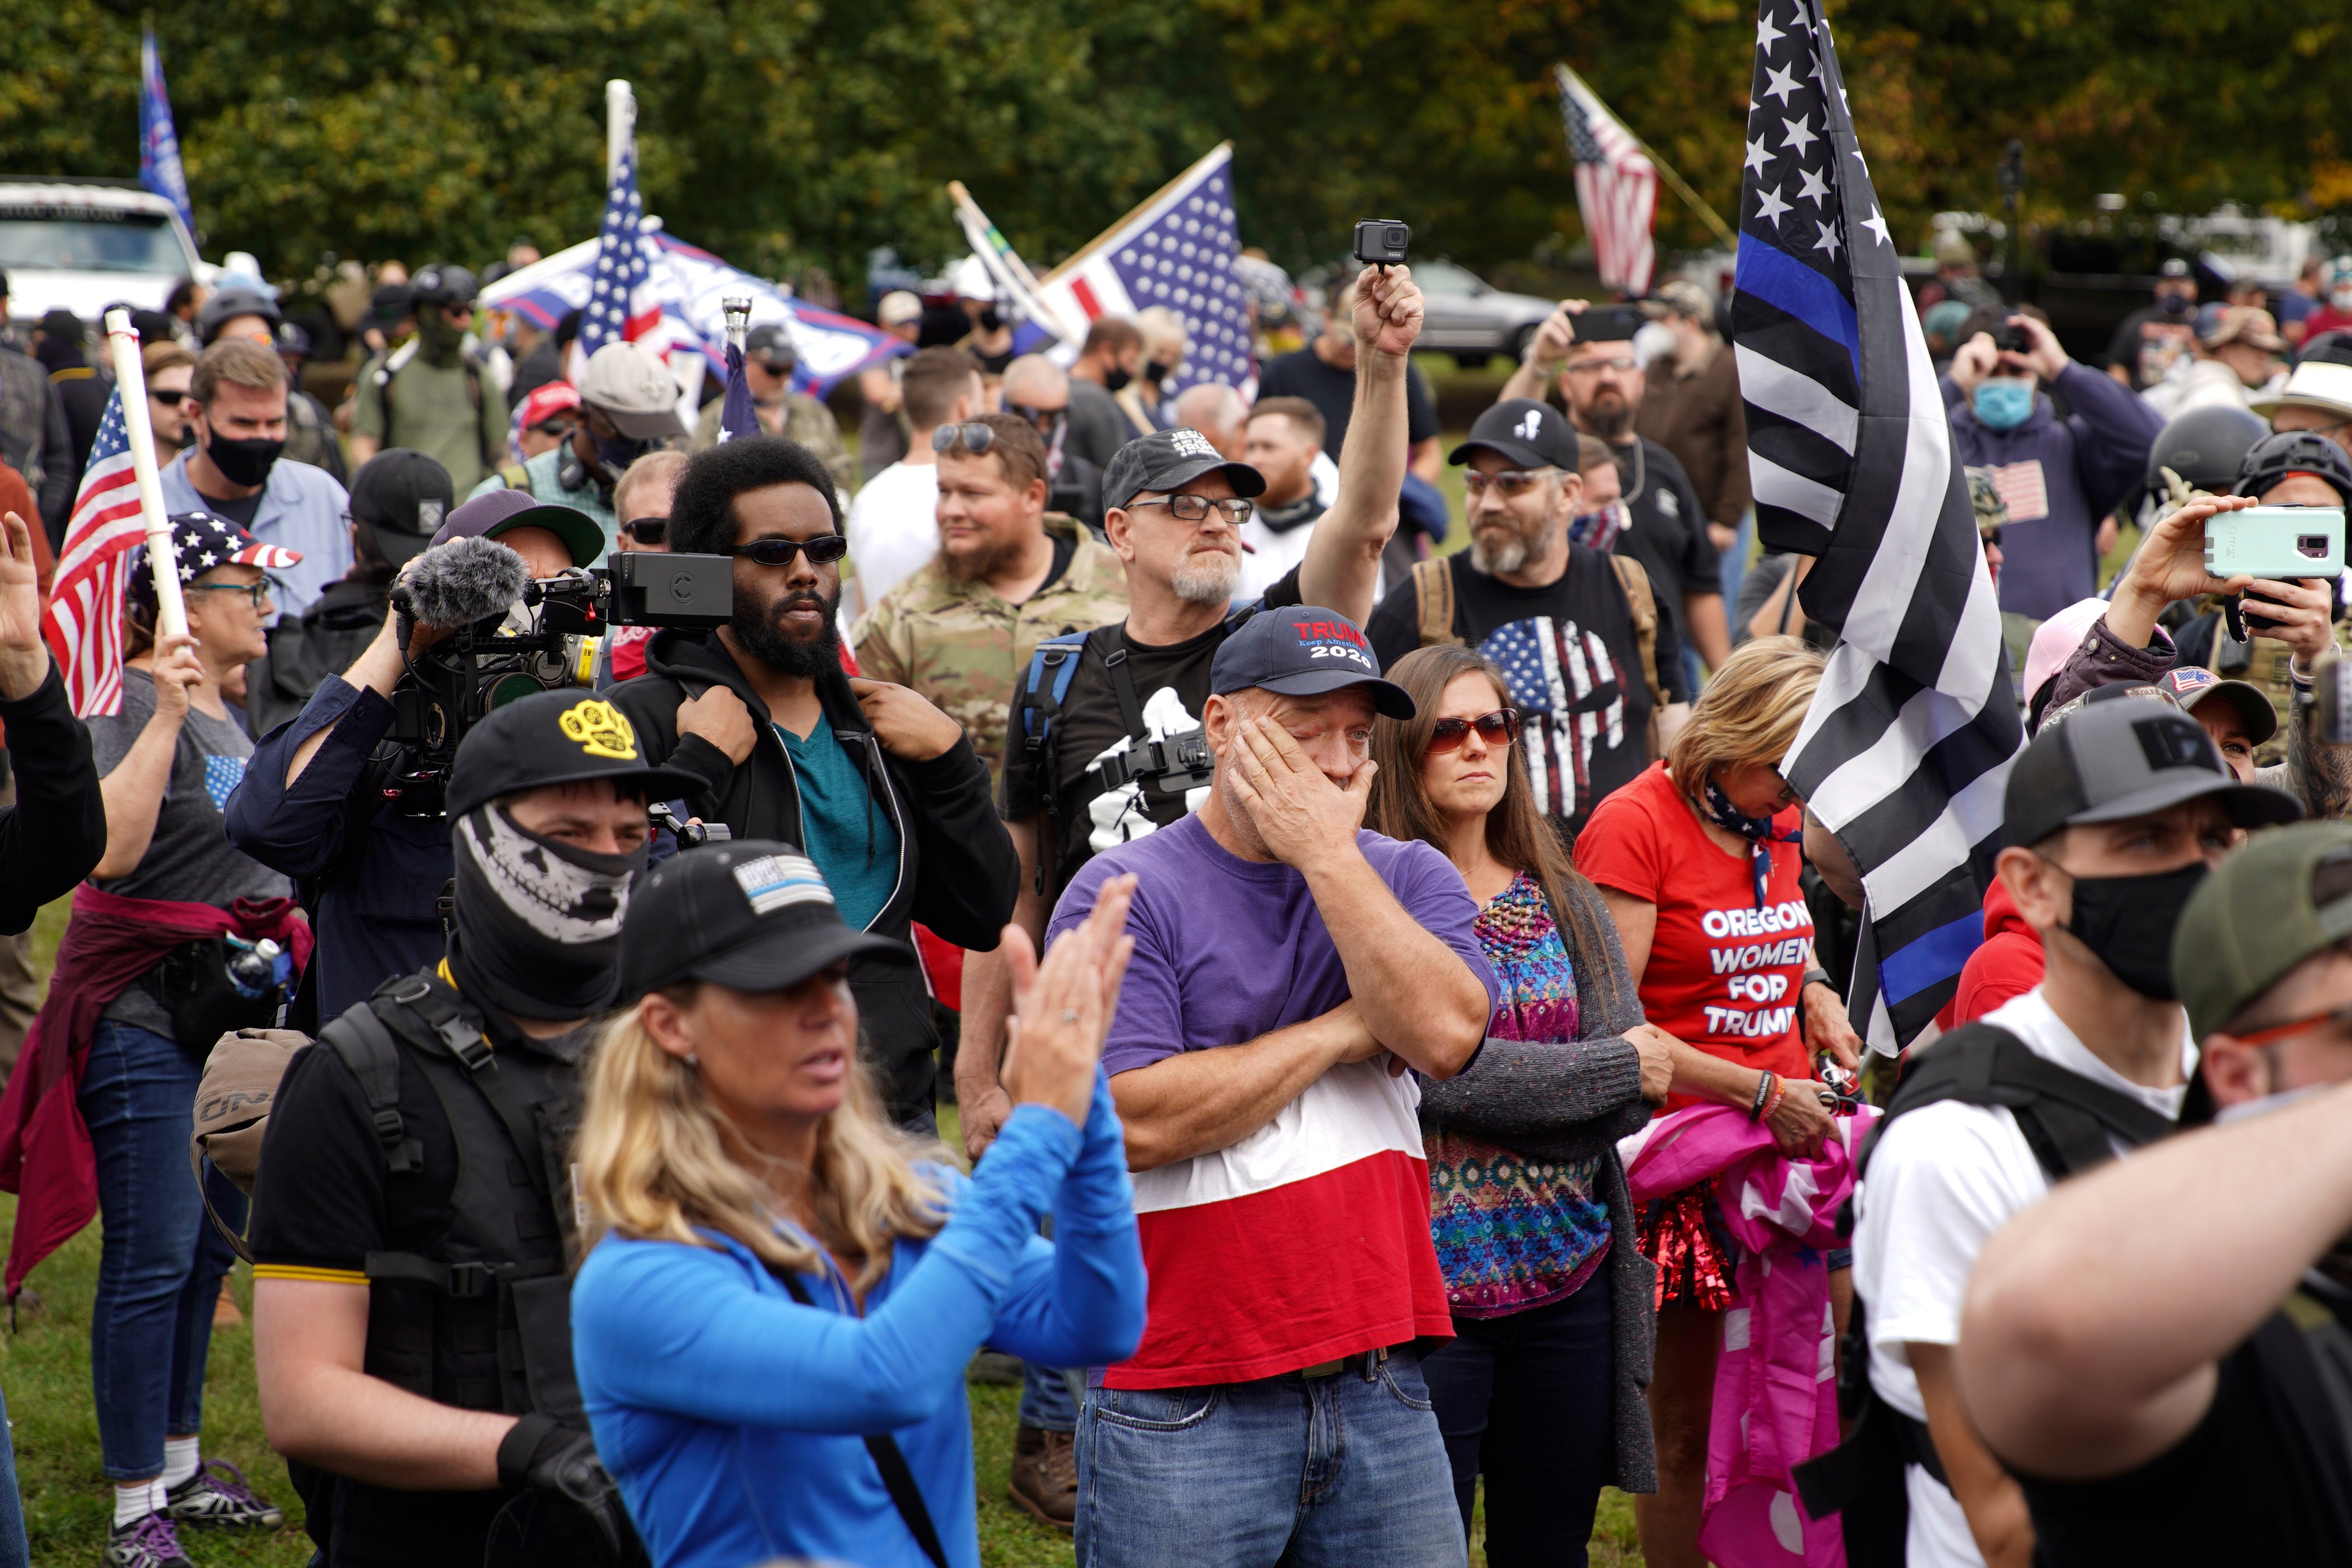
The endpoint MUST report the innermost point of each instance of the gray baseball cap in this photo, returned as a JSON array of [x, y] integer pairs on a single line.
[[2126, 758]]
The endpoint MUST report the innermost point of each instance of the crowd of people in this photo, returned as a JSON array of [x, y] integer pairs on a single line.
[[1393, 1004]]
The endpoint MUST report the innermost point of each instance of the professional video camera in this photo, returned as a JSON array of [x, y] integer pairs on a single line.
[[515, 635]]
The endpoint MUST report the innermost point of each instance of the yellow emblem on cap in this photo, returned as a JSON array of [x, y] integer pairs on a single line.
[[600, 730]]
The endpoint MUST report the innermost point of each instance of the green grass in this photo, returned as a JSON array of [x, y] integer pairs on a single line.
[[44, 1371]]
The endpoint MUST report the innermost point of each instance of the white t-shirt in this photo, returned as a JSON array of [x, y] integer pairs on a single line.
[[1942, 1179], [894, 532]]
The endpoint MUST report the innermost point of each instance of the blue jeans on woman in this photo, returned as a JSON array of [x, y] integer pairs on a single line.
[[161, 1263], [1529, 1401]]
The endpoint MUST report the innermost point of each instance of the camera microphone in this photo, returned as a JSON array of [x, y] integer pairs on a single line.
[[462, 582]]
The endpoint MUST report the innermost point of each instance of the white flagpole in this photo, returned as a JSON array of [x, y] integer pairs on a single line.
[[620, 123], [163, 560]]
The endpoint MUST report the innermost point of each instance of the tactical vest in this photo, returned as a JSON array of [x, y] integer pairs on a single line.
[[482, 1317], [2070, 1125]]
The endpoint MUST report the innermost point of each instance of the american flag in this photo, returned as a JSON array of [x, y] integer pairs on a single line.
[[1906, 748], [1177, 249], [84, 622], [1616, 187], [1571, 694], [620, 307], [736, 415]]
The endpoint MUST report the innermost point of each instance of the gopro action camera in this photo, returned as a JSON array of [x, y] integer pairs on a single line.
[[1382, 242]]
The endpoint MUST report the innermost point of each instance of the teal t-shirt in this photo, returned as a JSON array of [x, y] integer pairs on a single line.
[[850, 834]]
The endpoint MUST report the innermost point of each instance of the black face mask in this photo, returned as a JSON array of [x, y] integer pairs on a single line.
[[2177, 304], [1116, 379], [2128, 922], [990, 319], [1156, 372], [539, 922], [243, 462], [614, 457]]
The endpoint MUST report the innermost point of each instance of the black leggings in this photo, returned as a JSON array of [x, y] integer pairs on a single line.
[[1529, 1401]]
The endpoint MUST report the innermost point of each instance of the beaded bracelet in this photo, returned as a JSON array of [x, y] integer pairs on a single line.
[[1780, 1093]]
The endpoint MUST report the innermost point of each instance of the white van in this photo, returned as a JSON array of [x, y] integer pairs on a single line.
[[84, 244]]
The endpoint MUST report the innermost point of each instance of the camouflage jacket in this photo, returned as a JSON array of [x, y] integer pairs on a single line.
[[807, 421], [964, 648]]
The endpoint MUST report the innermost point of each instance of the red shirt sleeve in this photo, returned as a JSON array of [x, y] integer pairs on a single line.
[[1620, 845]]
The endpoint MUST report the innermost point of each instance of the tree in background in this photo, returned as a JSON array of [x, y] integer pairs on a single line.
[[806, 134]]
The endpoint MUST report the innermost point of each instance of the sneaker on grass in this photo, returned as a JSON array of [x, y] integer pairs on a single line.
[[221, 1499], [147, 1542]]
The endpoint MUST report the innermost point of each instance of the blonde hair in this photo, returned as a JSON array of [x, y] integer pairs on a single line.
[[652, 1166], [1750, 712]]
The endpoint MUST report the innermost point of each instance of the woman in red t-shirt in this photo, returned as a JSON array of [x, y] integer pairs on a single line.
[[1697, 860]]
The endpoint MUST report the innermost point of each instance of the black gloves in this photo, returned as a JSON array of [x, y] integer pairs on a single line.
[[542, 1455]]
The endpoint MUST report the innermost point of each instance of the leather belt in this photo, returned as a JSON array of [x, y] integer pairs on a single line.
[[1361, 1362]]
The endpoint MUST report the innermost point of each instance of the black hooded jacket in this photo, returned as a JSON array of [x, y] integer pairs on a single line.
[[957, 869]]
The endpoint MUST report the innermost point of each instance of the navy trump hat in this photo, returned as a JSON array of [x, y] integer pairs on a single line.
[[1304, 651]]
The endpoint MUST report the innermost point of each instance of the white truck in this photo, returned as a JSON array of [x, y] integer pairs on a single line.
[[82, 244]]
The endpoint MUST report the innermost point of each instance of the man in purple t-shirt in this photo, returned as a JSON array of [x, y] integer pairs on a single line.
[[1288, 967]]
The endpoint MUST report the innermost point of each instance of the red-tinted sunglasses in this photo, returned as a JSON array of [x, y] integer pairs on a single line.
[[1500, 728]]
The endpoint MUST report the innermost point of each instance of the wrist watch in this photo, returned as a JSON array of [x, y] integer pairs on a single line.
[[1815, 977]]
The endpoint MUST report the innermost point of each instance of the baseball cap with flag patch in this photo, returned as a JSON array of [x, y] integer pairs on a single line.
[[1523, 431], [2192, 685], [750, 914]]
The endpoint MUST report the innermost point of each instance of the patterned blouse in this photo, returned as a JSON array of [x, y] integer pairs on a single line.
[[1514, 1233]]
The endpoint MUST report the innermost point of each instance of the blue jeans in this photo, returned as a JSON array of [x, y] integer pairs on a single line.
[[1530, 1401], [1326, 1472], [159, 1269], [1732, 564], [13, 1551], [1047, 1401]]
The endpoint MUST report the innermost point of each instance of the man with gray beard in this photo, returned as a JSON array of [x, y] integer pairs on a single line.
[[1594, 669]]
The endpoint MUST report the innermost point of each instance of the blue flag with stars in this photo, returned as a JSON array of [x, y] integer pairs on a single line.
[[736, 415], [159, 145], [615, 312], [1904, 752]]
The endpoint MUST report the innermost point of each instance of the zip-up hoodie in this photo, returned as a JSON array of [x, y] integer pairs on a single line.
[[2008, 965], [957, 869]]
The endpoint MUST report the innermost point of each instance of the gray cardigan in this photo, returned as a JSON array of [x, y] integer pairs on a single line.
[[1572, 1101]]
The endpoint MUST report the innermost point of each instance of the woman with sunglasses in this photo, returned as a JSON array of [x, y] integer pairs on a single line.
[[1698, 861], [170, 370], [1540, 1389]]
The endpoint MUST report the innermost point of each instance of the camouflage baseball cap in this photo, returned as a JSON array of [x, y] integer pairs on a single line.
[[1991, 510], [2284, 896]]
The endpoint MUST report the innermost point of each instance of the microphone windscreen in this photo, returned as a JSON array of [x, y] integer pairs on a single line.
[[459, 582]]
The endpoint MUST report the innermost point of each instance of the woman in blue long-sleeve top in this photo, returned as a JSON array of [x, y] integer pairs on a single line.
[[783, 1278]]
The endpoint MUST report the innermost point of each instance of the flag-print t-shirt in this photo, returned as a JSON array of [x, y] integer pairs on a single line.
[[190, 859], [1724, 967], [1569, 653]]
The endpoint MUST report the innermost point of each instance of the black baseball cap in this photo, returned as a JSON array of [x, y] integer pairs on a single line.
[[751, 915], [487, 517], [772, 342], [1300, 652], [2126, 758], [1607, 323], [402, 497], [1531, 434], [555, 737], [1166, 459]]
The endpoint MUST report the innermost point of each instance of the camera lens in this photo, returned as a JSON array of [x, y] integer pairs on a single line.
[[1397, 236]]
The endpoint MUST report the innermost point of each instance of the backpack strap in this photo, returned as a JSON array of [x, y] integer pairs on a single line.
[[1433, 599], [366, 1047], [906, 1494], [1037, 708], [1122, 686], [1645, 605], [516, 476]]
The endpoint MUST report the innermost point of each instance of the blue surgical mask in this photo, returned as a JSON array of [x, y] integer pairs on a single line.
[[2003, 405]]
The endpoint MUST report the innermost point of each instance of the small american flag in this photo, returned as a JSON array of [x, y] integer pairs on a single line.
[[84, 625], [620, 306], [2023, 491], [1616, 187]]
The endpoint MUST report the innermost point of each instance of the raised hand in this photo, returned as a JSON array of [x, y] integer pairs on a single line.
[[1387, 310], [1063, 1006], [24, 660]]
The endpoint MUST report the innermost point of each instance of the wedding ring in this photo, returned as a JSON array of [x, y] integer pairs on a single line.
[[1069, 1015]]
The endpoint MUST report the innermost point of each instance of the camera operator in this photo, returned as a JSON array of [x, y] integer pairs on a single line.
[[314, 803], [628, 406], [399, 499], [877, 786], [2159, 1350], [413, 1214], [2126, 646]]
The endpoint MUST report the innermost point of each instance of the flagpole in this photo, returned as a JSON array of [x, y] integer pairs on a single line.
[[620, 123], [1010, 261], [163, 561], [1078, 258], [1675, 182]]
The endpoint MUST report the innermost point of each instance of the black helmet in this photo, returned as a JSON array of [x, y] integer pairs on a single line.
[[2203, 446], [2327, 347], [2273, 458], [442, 283], [227, 306]]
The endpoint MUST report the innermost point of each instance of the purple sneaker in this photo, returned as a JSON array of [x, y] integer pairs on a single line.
[[217, 1494], [149, 1541]]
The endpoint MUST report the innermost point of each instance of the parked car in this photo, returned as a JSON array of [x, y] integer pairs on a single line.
[[82, 244], [1466, 317]]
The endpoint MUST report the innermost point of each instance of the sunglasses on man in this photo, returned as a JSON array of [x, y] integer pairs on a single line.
[[168, 398], [651, 530], [1500, 728], [823, 550]]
